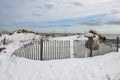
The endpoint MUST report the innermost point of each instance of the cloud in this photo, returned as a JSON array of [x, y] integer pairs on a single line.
[[56, 10], [91, 23], [9, 7], [77, 4], [59, 22], [49, 5], [113, 22], [98, 22], [36, 13], [115, 11], [100, 19], [38, 7]]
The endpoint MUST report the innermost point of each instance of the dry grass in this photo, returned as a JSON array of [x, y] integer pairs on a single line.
[[23, 31], [101, 38], [93, 32], [1, 49]]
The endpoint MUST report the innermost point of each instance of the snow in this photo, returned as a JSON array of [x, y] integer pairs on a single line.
[[22, 36], [76, 37], [104, 67], [18, 39]]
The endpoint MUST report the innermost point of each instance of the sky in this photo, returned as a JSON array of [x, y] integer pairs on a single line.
[[69, 16]]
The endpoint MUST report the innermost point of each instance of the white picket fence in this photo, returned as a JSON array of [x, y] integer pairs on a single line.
[[59, 49]]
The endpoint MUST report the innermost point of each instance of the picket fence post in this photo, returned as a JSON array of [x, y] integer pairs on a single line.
[[117, 44], [91, 44], [41, 49]]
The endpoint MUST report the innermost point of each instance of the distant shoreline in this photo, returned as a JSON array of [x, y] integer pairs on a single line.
[[113, 36], [107, 35]]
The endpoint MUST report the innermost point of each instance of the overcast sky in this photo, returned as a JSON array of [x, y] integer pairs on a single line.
[[61, 15]]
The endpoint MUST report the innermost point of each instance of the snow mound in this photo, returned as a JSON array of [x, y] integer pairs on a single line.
[[17, 37], [75, 37], [17, 40]]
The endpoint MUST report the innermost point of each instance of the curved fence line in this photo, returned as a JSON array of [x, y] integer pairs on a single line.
[[59, 49], [46, 50]]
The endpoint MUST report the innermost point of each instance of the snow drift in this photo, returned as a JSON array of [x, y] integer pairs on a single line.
[[104, 67]]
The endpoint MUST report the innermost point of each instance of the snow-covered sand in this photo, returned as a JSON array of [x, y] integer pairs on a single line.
[[104, 67], [17, 37]]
